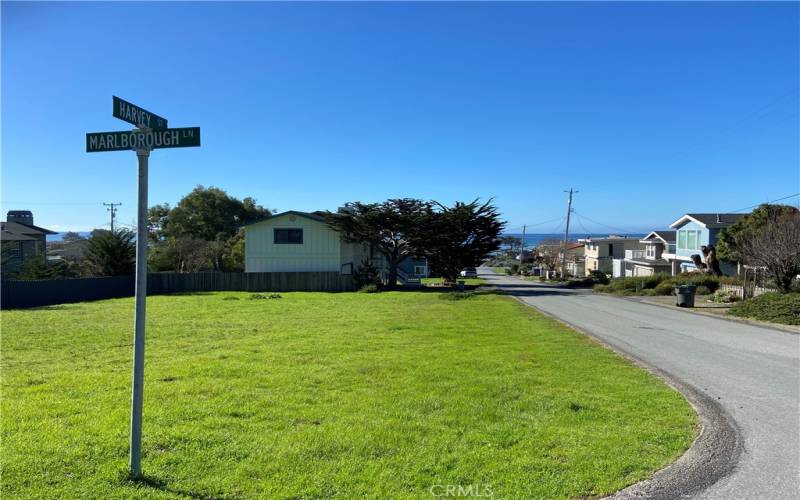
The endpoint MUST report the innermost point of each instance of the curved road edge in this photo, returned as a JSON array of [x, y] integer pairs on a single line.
[[714, 453]]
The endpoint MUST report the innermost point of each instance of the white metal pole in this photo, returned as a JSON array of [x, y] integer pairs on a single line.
[[139, 322]]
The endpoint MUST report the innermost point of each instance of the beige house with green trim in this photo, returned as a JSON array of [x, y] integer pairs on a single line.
[[599, 253]]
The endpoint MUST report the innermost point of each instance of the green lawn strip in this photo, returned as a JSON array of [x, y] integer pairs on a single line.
[[317, 395]]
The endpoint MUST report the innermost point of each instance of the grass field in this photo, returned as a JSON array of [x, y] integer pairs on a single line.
[[317, 395]]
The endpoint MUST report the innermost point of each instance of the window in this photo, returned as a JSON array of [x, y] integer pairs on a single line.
[[288, 236], [689, 240], [420, 270], [651, 251], [610, 249]]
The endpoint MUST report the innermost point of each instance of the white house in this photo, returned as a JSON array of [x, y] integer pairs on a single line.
[[601, 254], [648, 261], [300, 242]]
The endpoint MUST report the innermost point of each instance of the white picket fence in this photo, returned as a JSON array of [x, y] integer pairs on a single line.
[[751, 290]]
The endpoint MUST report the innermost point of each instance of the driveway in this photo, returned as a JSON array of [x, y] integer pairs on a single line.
[[752, 372]]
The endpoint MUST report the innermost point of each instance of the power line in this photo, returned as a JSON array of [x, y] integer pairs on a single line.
[[558, 228], [580, 223], [738, 126], [623, 231], [510, 230], [773, 201], [538, 223]]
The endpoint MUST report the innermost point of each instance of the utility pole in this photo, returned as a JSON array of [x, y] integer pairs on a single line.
[[522, 245], [112, 207], [566, 235]]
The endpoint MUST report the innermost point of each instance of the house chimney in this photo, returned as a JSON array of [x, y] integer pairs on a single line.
[[718, 219], [24, 217]]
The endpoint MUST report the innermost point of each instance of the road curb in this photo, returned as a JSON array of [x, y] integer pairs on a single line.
[[735, 319], [714, 453]]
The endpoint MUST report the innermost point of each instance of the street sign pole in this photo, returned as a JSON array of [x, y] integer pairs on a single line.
[[151, 133], [139, 322]]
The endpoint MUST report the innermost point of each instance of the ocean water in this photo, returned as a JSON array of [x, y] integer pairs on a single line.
[[60, 236], [531, 240]]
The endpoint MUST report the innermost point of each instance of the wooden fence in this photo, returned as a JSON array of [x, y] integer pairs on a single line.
[[35, 293]]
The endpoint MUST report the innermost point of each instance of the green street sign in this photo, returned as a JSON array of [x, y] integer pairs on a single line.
[[135, 115], [147, 139]]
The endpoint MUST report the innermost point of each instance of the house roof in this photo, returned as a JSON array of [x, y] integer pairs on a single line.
[[317, 216], [710, 221], [611, 238], [17, 228], [9, 236], [665, 236], [574, 246]]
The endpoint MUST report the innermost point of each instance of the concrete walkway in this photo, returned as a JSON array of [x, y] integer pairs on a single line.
[[752, 372]]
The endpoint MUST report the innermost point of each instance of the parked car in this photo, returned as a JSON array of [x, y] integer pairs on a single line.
[[469, 272]]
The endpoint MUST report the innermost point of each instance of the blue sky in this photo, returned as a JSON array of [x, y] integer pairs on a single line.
[[650, 110]]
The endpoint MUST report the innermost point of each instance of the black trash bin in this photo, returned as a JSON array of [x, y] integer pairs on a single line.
[[685, 295]]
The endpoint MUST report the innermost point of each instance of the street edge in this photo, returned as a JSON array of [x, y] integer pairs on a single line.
[[714, 454], [752, 322], [643, 300]]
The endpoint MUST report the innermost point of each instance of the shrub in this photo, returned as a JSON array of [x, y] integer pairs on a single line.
[[650, 282], [648, 292], [664, 288], [730, 280], [702, 290], [725, 296], [601, 288], [370, 288], [698, 279], [776, 307], [599, 277], [366, 274], [579, 283], [513, 269]]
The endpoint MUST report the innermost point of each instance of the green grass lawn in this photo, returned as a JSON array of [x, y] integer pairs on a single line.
[[318, 395]]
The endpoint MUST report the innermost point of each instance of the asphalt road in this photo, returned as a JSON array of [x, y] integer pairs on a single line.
[[749, 375]]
